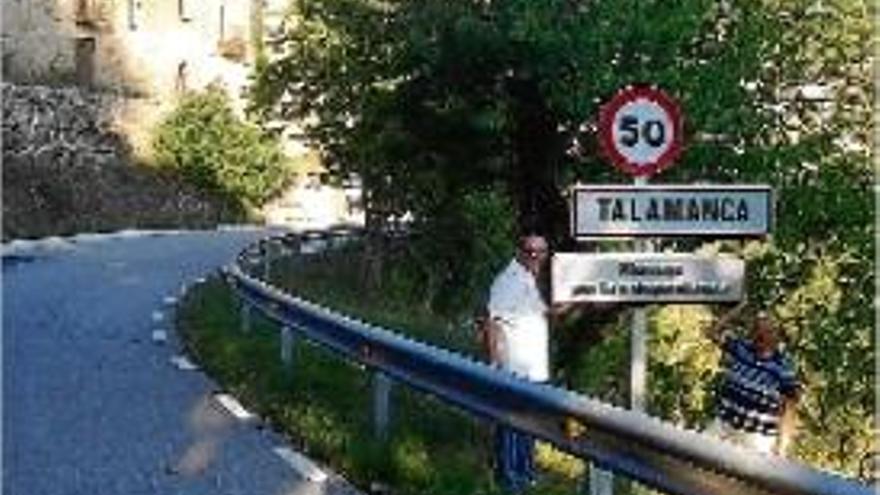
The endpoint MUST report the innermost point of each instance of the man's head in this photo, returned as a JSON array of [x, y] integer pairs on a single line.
[[532, 252], [764, 334]]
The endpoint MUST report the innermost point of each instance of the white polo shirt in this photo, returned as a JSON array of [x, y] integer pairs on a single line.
[[515, 302]]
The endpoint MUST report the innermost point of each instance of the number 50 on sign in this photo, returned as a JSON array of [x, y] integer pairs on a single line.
[[640, 130]]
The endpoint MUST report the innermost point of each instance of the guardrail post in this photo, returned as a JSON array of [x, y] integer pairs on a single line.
[[381, 404], [267, 260], [246, 314], [598, 482], [288, 341]]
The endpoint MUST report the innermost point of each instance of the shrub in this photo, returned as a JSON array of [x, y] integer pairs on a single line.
[[211, 147]]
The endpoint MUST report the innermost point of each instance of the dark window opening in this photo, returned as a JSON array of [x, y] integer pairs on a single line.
[[181, 81], [85, 61], [133, 14], [184, 9]]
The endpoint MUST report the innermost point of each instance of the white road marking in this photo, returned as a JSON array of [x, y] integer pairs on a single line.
[[183, 363], [169, 300], [227, 227], [301, 464], [90, 237], [158, 316], [32, 245], [234, 407], [160, 336]]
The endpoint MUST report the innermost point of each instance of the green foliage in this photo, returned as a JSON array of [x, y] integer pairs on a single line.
[[323, 403], [429, 100], [680, 354], [454, 256], [211, 147], [826, 318]]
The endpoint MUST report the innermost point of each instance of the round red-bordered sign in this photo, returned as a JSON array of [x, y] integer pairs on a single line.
[[640, 130]]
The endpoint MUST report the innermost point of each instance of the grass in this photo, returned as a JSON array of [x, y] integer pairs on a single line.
[[323, 402]]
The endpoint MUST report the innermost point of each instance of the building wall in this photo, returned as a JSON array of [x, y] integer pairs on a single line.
[[36, 41], [150, 50], [147, 47]]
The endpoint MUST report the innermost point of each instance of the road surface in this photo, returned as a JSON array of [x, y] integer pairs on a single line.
[[92, 402]]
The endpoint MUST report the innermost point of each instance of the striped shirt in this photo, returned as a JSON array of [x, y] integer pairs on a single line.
[[752, 388]]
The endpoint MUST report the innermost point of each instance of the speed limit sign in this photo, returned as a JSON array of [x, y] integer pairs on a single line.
[[640, 130]]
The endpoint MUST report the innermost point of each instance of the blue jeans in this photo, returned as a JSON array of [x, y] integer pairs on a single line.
[[514, 459]]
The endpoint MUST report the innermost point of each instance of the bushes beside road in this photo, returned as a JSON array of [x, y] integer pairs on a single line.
[[68, 168], [215, 150], [323, 403]]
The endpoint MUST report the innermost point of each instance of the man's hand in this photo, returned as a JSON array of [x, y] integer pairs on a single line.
[[564, 309], [717, 331], [492, 340], [781, 446], [787, 424], [559, 310]]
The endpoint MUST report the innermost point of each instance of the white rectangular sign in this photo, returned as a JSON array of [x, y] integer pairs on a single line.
[[646, 277], [671, 210]]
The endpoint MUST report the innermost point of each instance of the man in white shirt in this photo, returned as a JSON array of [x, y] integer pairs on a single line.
[[517, 340]]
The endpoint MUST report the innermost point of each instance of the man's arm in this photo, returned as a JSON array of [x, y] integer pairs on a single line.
[[718, 331], [561, 311], [488, 336], [787, 424], [493, 340], [790, 388]]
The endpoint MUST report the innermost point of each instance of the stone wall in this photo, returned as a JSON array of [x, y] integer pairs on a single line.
[[67, 168]]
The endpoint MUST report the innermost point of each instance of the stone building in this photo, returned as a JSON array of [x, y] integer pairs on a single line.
[[138, 47], [143, 54], [149, 51]]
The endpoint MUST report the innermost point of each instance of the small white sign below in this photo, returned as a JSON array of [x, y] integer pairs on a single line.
[[646, 278]]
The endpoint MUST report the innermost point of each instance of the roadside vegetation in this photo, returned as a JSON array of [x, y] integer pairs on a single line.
[[433, 101], [323, 403], [468, 118], [221, 154], [67, 168]]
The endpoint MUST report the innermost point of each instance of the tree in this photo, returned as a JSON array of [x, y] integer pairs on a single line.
[[213, 149], [432, 100]]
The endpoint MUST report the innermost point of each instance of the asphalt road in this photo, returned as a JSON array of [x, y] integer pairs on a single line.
[[92, 405]]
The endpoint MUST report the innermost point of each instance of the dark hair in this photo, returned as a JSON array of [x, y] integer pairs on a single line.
[[529, 226]]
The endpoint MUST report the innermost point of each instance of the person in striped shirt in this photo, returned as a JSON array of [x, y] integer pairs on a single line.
[[759, 389]]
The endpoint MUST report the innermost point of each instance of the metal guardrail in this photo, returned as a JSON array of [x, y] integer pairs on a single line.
[[629, 443]]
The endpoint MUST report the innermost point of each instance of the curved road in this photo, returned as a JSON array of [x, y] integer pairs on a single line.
[[93, 405]]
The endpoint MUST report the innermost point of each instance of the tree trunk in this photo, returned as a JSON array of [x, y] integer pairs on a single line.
[[537, 148], [375, 246]]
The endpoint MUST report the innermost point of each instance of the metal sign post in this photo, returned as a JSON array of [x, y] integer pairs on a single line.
[[640, 131], [639, 340]]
